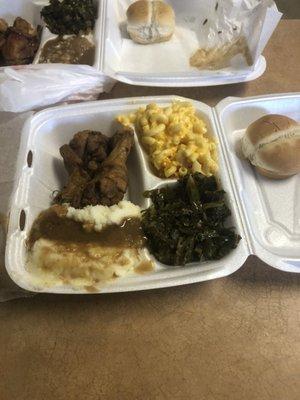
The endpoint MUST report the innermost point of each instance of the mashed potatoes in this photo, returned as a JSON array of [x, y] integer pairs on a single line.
[[97, 217], [71, 263], [87, 247]]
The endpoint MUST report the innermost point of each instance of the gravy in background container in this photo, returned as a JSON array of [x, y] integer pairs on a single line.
[[70, 50]]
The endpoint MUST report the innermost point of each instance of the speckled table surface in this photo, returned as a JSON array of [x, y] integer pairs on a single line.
[[235, 338]]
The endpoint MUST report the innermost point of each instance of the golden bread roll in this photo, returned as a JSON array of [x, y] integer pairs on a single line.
[[272, 145], [150, 21]]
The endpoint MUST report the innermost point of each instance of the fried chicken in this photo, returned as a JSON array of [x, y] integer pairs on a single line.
[[18, 43], [3, 25], [96, 167], [24, 27], [2, 41], [110, 184], [3, 29]]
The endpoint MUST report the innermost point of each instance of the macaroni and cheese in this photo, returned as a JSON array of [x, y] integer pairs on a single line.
[[175, 139]]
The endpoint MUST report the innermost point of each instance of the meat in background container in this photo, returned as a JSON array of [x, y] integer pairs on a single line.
[[33, 86]]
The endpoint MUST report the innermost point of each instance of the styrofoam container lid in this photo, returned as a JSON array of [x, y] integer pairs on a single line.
[[270, 208], [265, 213]]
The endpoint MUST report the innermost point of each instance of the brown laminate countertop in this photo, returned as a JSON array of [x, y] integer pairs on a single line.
[[234, 338]]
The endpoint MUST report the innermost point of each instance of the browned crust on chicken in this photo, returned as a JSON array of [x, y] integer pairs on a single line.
[[96, 167], [18, 43]]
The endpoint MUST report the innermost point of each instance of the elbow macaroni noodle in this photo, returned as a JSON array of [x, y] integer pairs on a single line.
[[175, 139]]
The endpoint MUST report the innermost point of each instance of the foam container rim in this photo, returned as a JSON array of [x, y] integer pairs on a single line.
[[283, 258]]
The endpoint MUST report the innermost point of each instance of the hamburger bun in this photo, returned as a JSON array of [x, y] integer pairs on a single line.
[[150, 21], [272, 145]]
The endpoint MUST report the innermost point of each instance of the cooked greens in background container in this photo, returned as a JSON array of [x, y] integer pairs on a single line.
[[71, 68], [76, 19], [69, 17]]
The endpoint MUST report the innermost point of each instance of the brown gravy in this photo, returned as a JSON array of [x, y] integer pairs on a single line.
[[91, 289], [72, 50], [144, 267], [50, 225]]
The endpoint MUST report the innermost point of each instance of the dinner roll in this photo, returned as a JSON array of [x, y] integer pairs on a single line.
[[272, 145], [150, 21]]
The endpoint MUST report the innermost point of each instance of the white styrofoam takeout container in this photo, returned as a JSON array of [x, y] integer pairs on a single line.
[[30, 10], [266, 213], [110, 39], [167, 63]]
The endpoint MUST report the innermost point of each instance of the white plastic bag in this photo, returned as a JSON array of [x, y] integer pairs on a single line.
[[32, 87]]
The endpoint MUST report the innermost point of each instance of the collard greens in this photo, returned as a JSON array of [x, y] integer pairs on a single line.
[[186, 222], [68, 17]]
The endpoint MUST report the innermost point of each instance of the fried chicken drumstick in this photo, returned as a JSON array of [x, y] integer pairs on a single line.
[[18, 43], [97, 168]]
